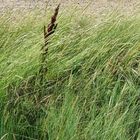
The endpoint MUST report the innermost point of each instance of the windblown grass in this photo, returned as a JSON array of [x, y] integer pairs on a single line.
[[92, 87]]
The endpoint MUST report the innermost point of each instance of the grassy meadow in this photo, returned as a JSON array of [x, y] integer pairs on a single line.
[[91, 90]]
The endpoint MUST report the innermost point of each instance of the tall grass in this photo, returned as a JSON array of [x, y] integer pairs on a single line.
[[92, 87]]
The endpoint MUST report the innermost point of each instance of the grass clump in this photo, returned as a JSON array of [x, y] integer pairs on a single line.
[[91, 88]]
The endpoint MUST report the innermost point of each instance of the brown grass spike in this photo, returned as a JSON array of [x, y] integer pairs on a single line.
[[47, 32]]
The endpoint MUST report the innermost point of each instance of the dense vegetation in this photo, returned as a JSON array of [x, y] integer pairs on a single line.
[[91, 90]]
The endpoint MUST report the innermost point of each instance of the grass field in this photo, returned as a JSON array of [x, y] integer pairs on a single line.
[[91, 90]]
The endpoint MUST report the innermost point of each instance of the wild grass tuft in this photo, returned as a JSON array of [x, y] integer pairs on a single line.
[[91, 90]]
